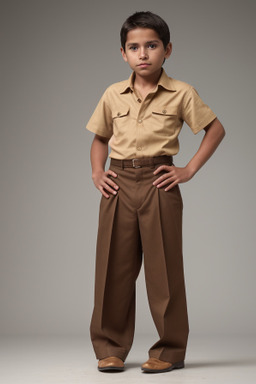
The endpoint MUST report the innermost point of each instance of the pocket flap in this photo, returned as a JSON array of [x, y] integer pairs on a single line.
[[123, 111], [165, 111]]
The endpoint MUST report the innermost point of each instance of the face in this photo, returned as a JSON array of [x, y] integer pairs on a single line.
[[145, 52]]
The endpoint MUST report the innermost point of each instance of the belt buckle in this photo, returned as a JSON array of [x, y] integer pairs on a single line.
[[133, 164]]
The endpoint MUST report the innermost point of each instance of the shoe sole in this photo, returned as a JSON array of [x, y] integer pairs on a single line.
[[104, 369], [178, 365]]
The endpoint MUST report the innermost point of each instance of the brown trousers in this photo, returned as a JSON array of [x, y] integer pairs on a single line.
[[140, 219]]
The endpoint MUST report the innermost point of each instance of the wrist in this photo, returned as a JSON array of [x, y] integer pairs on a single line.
[[191, 170], [96, 172]]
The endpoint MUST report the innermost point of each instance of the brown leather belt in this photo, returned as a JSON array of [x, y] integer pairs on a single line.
[[141, 162]]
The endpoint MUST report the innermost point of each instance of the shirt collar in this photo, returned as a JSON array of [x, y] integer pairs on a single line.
[[164, 81]]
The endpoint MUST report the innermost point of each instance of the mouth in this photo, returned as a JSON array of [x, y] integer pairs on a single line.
[[143, 65]]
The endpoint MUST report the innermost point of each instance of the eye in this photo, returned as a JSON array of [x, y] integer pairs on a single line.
[[152, 46], [133, 48]]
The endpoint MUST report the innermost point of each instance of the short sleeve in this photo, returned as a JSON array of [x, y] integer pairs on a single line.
[[100, 122], [195, 112]]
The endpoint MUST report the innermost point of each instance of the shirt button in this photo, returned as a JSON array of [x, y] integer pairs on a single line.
[[118, 113], [139, 121], [139, 100], [139, 148], [164, 111]]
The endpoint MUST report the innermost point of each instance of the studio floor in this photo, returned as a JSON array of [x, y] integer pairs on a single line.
[[52, 360]]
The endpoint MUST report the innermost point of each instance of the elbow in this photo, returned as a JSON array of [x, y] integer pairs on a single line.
[[222, 132]]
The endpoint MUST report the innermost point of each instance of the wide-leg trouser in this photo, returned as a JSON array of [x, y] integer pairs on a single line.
[[140, 219]]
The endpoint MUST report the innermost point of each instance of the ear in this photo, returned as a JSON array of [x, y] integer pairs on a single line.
[[168, 50], [123, 54]]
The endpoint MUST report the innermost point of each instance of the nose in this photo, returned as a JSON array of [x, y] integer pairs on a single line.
[[143, 54]]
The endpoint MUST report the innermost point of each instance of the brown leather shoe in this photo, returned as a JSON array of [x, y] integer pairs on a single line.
[[154, 365], [111, 363]]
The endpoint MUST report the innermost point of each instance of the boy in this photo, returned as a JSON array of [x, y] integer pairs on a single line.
[[141, 205]]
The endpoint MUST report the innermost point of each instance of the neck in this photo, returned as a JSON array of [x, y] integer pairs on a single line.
[[147, 81]]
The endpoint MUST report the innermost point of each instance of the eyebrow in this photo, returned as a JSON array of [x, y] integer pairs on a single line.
[[147, 42]]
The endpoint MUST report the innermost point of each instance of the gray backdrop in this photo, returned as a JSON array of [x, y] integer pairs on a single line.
[[57, 59]]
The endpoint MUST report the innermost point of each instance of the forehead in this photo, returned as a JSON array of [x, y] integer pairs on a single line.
[[141, 35]]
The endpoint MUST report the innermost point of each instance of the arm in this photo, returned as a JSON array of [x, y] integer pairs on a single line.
[[214, 133], [101, 179]]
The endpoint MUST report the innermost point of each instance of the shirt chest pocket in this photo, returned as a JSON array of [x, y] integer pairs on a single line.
[[165, 120], [120, 117]]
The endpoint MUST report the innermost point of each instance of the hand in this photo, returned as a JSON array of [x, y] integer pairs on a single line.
[[103, 182], [172, 177]]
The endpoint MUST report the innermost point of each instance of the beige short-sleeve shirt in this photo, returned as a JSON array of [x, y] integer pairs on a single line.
[[150, 127]]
